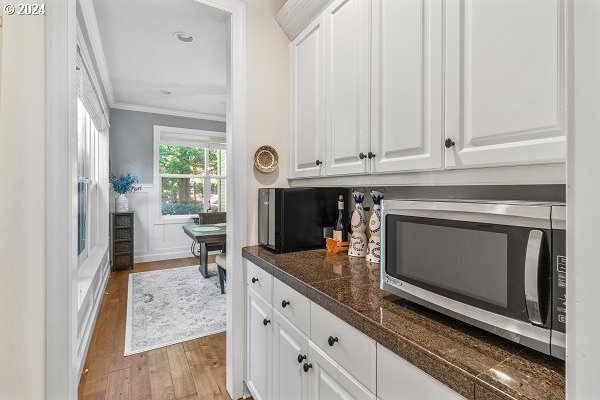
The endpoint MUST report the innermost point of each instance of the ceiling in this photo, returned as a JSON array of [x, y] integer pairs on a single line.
[[148, 66]]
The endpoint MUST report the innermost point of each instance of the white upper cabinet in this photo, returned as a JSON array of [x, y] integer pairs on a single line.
[[347, 43], [407, 91], [308, 103], [505, 82]]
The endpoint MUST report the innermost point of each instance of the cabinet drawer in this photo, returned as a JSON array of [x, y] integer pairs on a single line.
[[353, 350], [292, 305], [123, 247], [259, 280], [122, 261], [124, 221], [397, 379], [123, 234]]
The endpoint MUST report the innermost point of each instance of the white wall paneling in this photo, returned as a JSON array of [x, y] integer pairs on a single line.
[[347, 44], [407, 90], [156, 238], [89, 308], [308, 101], [505, 82]]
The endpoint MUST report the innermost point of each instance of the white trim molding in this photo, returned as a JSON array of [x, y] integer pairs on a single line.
[[167, 111], [61, 201], [583, 217], [295, 15]]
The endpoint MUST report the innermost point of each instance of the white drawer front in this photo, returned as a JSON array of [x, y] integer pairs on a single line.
[[353, 350], [260, 280], [397, 379], [292, 305]]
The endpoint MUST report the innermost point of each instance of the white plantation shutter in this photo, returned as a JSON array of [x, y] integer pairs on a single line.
[[90, 94]]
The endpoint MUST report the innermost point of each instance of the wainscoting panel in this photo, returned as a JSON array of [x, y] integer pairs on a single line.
[[156, 238], [90, 305]]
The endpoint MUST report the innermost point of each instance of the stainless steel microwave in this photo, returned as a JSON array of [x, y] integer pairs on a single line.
[[500, 266]]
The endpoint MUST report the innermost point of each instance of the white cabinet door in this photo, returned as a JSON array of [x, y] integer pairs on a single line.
[[407, 90], [290, 351], [308, 102], [397, 379], [259, 331], [347, 43], [505, 82], [328, 381]]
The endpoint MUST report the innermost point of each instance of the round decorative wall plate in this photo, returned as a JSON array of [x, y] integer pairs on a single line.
[[266, 159]]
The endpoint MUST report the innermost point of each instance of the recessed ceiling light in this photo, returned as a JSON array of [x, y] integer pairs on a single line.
[[166, 91], [184, 37]]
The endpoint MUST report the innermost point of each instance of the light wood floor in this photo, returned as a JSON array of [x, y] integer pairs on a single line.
[[189, 370]]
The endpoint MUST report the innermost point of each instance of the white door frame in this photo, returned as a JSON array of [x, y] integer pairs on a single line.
[[61, 201], [61, 206], [583, 216]]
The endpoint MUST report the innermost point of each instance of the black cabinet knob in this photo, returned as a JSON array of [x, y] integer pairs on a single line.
[[318, 162], [285, 303], [266, 322], [332, 340], [301, 357], [370, 155], [306, 367], [449, 143], [362, 156], [254, 280]]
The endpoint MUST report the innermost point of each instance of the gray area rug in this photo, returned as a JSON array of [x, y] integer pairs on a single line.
[[171, 306]]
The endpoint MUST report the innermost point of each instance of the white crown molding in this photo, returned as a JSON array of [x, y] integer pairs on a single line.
[[89, 15], [167, 111], [295, 15]]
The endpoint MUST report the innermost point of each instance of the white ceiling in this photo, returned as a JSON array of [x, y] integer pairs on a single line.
[[144, 58]]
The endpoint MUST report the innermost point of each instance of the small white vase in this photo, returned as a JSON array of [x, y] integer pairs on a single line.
[[121, 203], [358, 240]]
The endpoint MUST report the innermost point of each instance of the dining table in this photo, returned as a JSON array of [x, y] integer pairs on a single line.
[[206, 236]]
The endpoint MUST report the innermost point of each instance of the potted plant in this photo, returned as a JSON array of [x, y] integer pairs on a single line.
[[123, 185]]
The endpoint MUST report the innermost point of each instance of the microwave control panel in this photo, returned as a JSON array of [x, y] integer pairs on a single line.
[[559, 281]]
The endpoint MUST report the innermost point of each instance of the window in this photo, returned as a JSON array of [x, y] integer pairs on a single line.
[[89, 194], [192, 178]]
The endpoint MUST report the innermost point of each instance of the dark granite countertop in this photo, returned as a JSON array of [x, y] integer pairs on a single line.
[[473, 362]]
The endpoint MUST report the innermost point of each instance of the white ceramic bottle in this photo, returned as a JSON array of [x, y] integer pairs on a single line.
[[358, 240], [374, 248]]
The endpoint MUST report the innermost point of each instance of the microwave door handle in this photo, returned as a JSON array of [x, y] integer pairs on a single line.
[[532, 266]]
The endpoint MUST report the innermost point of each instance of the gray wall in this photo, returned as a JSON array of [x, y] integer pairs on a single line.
[[132, 139]]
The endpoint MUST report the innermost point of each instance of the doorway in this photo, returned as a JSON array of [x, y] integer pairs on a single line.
[[63, 342]]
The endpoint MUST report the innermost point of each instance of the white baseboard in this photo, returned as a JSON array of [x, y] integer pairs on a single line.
[[164, 254]]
